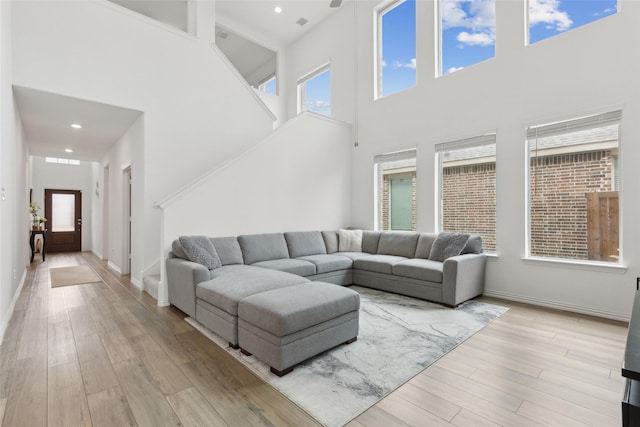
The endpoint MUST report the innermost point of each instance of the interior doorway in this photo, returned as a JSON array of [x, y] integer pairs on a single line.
[[126, 265], [105, 213], [63, 210]]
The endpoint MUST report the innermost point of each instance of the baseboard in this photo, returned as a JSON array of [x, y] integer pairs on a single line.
[[557, 305], [136, 283], [114, 267], [97, 254], [12, 306]]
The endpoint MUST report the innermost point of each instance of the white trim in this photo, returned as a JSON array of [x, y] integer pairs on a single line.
[[557, 305], [243, 81], [303, 116], [136, 283], [114, 267], [12, 306], [301, 84], [97, 254], [580, 264]]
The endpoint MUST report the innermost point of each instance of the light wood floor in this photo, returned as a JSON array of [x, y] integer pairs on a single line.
[[104, 354]]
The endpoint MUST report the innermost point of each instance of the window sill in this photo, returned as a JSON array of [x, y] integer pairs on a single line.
[[583, 265]]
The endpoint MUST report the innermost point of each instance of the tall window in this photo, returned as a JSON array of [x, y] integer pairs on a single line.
[[550, 17], [314, 91], [468, 33], [573, 189], [396, 190], [396, 43], [467, 171]]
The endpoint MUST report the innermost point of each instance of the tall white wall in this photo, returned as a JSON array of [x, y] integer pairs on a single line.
[[297, 179], [14, 172], [65, 177], [196, 110], [590, 69]]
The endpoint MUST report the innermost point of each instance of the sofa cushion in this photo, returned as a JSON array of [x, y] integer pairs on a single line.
[[350, 240], [353, 255], [370, 241], [378, 263], [421, 269], [229, 287], [399, 243], [303, 243], [263, 247], [177, 249], [330, 241], [447, 245], [200, 249], [425, 241], [228, 249], [473, 245], [290, 265], [329, 262], [283, 312]]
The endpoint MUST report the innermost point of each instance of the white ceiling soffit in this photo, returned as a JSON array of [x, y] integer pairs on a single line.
[[246, 56], [279, 28], [47, 119], [170, 12]]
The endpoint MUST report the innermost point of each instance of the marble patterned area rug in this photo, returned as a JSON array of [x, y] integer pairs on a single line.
[[399, 337]]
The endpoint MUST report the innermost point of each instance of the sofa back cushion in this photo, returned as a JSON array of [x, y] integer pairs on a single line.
[[398, 243], [304, 243], [228, 249], [425, 241], [330, 241], [263, 247], [370, 241]]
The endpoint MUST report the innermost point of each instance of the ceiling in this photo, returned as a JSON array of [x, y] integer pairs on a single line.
[[47, 118]]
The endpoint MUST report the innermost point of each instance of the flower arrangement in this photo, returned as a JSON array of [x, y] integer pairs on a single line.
[[34, 208], [42, 220]]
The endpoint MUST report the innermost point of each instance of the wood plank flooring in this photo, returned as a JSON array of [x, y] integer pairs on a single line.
[[104, 354]]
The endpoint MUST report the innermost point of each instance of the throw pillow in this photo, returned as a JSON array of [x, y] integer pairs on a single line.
[[447, 245], [349, 240], [473, 245], [200, 249]]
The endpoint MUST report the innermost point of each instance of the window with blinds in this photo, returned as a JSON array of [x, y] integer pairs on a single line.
[[573, 189], [395, 190], [467, 188]]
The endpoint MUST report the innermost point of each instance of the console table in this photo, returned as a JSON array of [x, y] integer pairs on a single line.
[[631, 369], [32, 241]]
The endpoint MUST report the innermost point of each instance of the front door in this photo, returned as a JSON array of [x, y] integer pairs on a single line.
[[63, 210]]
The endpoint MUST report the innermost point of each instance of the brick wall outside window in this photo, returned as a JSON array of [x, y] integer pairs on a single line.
[[559, 204], [469, 201]]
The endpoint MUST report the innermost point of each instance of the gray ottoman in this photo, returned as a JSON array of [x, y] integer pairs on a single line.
[[283, 327]]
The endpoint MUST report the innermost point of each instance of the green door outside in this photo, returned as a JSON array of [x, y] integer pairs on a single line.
[[401, 203]]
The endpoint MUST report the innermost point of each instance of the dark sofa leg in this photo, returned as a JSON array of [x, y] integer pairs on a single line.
[[354, 339], [245, 352], [281, 373], [234, 346]]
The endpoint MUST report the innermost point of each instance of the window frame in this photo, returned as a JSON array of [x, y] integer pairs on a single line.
[[573, 124], [378, 13], [484, 139], [301, 85], [408, 155]]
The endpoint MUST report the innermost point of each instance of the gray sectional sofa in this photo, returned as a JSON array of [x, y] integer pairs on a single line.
[[401, 262]]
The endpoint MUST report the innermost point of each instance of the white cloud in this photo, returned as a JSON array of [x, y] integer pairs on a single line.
[[476, 39], [317, 105], [398, 64], [453, 69], [384, 63], [476, 15], [548, 12]]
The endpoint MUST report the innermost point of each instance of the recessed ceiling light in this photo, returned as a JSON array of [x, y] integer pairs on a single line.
[[76, 126], [277, 9], [68, 150]]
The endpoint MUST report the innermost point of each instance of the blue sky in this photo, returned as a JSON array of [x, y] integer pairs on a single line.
[[468, 37]]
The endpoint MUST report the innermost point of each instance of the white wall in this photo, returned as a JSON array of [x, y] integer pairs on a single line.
[[14, 170], [196, 110], [297, 179], [65, 177], [590, 69]]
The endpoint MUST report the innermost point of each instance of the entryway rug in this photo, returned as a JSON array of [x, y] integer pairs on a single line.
[[76, 275], [399, 337]]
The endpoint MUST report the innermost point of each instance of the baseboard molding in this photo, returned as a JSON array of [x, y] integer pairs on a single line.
[[97, 254], [557, 305], [114, 267], [136, 283], [12, 306]]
